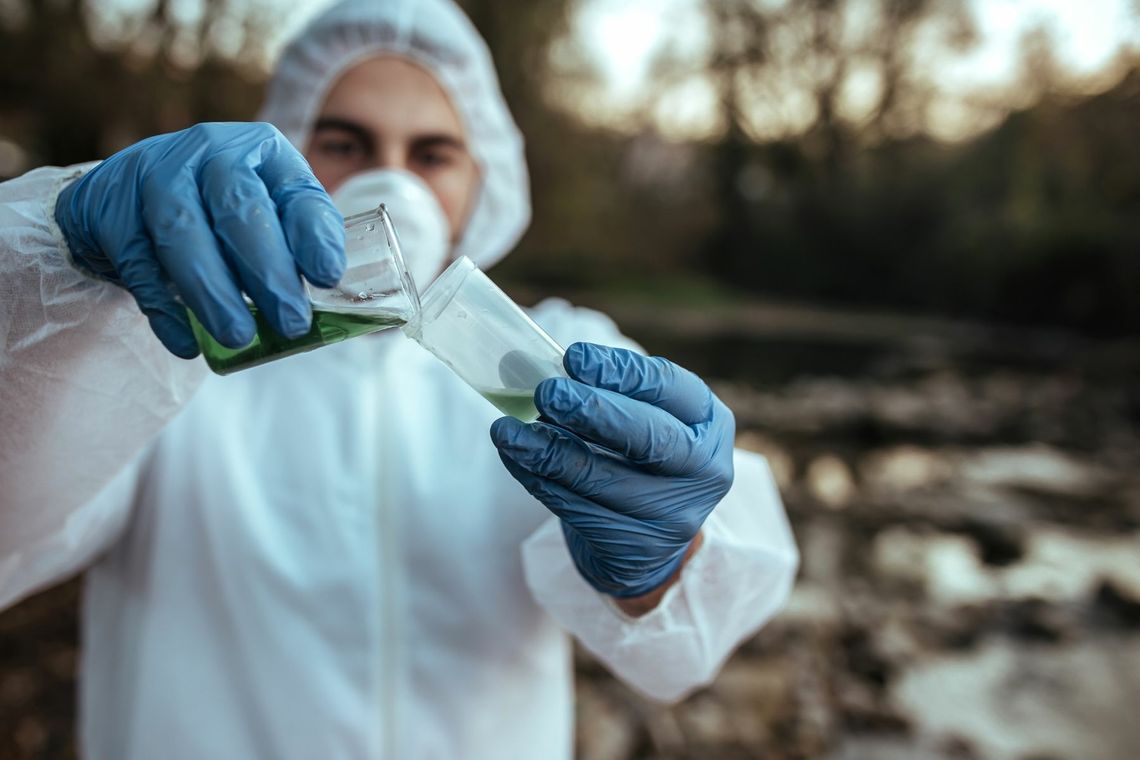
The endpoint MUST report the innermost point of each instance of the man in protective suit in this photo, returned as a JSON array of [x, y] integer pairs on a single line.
[[346, 554]]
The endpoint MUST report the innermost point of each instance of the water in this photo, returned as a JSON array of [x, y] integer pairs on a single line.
[[513, 402], [328, 327]]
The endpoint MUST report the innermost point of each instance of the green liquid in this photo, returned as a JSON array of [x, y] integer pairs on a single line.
[[328, 327], [514, 403]]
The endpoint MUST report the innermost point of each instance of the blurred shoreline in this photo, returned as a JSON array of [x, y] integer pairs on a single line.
[[966, 499]]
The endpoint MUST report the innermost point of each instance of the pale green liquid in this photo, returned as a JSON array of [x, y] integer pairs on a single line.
[[328, 327], [514, 403]]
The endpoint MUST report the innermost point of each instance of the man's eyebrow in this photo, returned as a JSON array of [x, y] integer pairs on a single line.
[[439, 140], [331, 122]]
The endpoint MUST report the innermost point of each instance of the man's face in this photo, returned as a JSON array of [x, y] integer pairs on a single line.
[[387, 113]]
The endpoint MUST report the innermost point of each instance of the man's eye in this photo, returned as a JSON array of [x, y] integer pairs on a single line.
[[434, 159], [341, 148]]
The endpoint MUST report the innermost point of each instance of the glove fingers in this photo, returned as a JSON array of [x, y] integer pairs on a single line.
[[188, 253], [587, 515], [559, 456], [548, 452], [651, 379], [555, 498], [246, 224], [647, 435], [142, 276], [312, 225], [609, 548]]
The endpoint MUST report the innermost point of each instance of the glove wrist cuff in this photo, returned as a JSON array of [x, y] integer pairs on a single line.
[[650, 582], [81, 254]]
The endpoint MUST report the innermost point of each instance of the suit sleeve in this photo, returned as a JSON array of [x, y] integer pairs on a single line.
[[84, 387], [738, 580]]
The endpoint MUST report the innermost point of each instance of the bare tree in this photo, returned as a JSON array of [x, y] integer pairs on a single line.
[[81, 79], [830, 75]]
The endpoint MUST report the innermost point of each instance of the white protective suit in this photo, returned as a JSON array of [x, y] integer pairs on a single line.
[[323, 557]]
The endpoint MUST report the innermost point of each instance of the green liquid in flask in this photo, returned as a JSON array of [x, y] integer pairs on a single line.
[[328, 327], [514, 403]]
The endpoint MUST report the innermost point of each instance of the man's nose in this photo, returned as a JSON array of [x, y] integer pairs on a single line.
[[391, 158]]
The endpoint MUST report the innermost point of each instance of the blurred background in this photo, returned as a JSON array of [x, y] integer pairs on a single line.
[[902, 240]]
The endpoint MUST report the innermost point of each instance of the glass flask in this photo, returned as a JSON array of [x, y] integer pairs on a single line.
[[375, 293], [485, 338]]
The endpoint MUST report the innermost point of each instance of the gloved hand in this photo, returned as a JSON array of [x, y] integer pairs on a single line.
[[632, 454], [206, 213]]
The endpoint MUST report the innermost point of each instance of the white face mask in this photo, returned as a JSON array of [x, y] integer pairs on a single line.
[[416, 214]]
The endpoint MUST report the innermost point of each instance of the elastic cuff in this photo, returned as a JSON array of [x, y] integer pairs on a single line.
[[80, 264], [654, 580], [692, 565]]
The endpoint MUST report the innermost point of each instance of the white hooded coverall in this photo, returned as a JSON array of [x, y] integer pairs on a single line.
[[323, 557]]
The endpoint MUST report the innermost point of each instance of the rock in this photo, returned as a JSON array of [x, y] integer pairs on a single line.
[[1061, 565], [706, 720], [898, 553], [948, 567], [878, 747], [812, 604], [779, 460], [1039, 468], [822, 546], [895, 640], [904, 468], [830, 482], [606, 731], [1013, 700], [955, 573], [748, 699]]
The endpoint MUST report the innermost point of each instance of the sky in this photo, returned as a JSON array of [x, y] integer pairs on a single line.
[[1088, 34], [622, 35]]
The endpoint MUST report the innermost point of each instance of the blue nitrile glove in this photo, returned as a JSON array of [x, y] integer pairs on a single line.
[[204, 214], [632, 454]]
